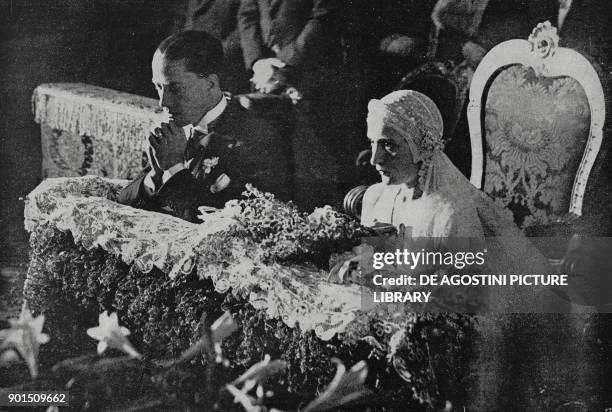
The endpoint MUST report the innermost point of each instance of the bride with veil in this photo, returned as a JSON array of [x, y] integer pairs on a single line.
[[423, 195]]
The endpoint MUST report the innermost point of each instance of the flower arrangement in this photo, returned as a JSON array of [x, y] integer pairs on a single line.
[[73, 284], [288, 235]]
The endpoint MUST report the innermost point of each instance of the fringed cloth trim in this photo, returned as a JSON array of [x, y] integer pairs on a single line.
[[119, 118]]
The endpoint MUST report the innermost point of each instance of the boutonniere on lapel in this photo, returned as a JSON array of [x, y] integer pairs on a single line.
[[208, 164]]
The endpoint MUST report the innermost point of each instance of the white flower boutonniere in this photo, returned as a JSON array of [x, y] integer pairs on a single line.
[[208, 164]]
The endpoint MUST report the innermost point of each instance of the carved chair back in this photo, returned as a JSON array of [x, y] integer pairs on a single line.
[[543, 121]]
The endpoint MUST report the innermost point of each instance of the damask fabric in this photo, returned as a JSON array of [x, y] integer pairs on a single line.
[[536, 131], [85, 207]]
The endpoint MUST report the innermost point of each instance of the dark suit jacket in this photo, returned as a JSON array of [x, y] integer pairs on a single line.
[[217, 17], [307, 32], [249, 151], [220, 18]]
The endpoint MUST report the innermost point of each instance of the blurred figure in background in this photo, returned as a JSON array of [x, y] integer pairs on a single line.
[[299, 43], [468, 29], [395, 37], [285, 41], [586, 26], [220, 18]]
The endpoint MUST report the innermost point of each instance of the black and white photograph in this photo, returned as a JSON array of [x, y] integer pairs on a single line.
[[306, 205]]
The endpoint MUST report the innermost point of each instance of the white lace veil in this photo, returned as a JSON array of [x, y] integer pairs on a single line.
[[417, 119]]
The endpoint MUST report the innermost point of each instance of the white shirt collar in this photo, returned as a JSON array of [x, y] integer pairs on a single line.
[[212, 115]]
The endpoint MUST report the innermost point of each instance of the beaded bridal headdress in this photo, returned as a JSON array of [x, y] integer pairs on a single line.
[[416, 118]]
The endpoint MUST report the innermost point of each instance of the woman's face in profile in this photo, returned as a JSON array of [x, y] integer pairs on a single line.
[[391, 155]]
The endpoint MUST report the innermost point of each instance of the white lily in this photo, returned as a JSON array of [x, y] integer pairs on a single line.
[[259, 373], [109, 333], [25, 336], [344, 388], [220, 329], [223, 327]]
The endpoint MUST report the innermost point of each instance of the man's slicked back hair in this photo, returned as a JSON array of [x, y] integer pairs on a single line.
[[203, 53]]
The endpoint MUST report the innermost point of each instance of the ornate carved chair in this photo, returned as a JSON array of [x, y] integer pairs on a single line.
[[536, 141]]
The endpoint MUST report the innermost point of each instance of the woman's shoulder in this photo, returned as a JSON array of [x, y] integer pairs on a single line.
[[368, 209], [373, 191]]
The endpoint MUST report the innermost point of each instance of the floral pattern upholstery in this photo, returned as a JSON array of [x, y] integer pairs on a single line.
[[536, 131]]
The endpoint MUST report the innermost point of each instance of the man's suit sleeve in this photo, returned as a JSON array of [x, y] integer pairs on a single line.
[[318, 27], [250, 32], [263, 160], [184, 194], [133, 194]]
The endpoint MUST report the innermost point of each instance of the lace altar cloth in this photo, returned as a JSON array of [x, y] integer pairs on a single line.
[[87, 129], [85, 208]]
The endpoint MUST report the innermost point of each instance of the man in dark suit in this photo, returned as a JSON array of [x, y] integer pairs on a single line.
[[212, 146]]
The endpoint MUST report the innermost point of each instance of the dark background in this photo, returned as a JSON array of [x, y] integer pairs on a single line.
[[107, 43]]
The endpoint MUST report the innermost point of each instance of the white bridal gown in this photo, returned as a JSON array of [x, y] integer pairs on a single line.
[[457, 213], [439, 214]]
